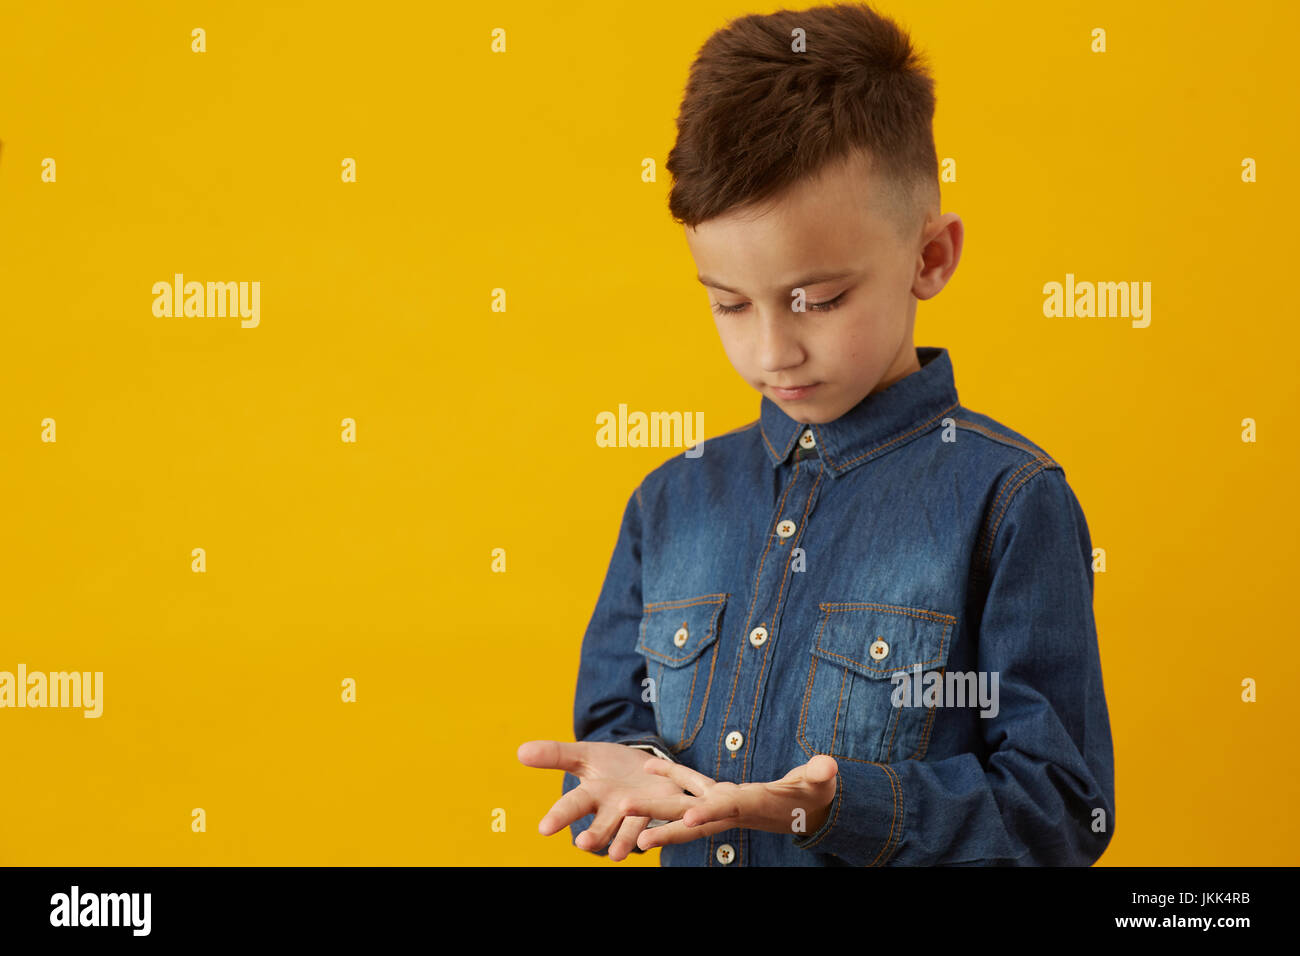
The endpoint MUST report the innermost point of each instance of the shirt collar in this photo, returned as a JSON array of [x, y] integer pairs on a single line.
[[879, 423]]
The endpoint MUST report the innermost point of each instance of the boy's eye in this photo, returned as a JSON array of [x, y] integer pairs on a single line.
[[826, 306]]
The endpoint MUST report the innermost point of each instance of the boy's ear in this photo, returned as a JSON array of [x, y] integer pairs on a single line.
[[939, 256]]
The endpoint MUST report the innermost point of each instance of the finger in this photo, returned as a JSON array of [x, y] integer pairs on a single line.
[[625, 842], [820, 769], [682, 775], [719, 806], [574, 805], [817, 770], [665, 807], [692, 811], [678, 832], [553, 754], [597, 836]]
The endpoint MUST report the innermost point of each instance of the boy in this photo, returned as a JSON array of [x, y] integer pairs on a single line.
[[858, 630]]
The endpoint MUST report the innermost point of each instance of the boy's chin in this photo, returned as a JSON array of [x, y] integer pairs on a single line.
[[806, 411]]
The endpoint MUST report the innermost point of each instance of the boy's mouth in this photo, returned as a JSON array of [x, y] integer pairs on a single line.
[[793, 393]]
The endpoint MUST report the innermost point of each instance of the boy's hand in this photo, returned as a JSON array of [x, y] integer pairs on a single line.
[[609, 774], [721, 806]]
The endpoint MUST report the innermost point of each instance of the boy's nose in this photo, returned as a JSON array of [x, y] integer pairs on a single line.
[[779, 349]]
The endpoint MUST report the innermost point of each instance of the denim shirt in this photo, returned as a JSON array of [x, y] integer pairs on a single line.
[[764, 598]]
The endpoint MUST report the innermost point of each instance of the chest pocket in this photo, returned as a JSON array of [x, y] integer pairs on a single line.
[[679, 640], [849, 705]]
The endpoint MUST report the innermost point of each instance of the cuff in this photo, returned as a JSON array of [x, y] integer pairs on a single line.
[[653, 749], [864, 825]]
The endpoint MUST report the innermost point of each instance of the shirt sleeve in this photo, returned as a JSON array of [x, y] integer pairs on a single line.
[[610, 703], [1042, 793]]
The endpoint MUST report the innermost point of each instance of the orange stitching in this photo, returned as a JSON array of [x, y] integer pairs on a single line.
[[704, 704], [659, 726], [644, 648], [975, 426], [762, 431], [925, 424], [776, 613], [898, 719], [896, 788], [878, 670], [892, 818], [800, 732], [690, 698], [993, 534], [803, 711], [925, 732], [835, 724], [939, 617], [902, 808], [830, 609], [987, 537], [735, 679], [685, 602], [1006, 483], [710, 636]]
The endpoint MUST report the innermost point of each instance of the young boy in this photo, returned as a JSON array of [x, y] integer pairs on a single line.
[[858, 630]]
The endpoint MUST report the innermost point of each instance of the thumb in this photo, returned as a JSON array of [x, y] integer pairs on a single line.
[[820, 769]]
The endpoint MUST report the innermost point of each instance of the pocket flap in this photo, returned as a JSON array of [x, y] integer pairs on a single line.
[[879, 640], [676, 632]]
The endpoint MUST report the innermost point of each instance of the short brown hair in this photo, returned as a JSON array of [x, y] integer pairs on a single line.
[[757, 116]]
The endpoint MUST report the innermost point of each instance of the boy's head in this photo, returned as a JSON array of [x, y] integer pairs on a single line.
[[805, 160]]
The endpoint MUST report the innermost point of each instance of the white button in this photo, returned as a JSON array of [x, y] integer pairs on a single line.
[[879, 650], [680, 637], [726, 853], [758, 635], [807, 439], [735, 740], [785, 528]]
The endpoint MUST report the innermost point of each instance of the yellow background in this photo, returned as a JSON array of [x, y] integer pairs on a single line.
[[476, 428]]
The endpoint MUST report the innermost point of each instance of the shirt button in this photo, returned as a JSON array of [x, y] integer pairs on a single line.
[[758, 635], [785, 528], [726, 853], [879, 650], [807, 440], [680, 637], [735, 740]]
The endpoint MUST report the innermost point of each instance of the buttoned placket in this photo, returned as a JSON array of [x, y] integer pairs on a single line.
[[805, 472]]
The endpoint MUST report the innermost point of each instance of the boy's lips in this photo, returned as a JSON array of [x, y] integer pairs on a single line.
[[798, 391]]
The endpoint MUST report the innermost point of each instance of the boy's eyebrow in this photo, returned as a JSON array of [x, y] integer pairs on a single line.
[[809, 280]]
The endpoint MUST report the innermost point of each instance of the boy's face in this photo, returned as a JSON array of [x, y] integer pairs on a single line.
[[831, 235]]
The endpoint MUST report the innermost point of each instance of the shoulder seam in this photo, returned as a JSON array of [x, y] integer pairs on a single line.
[[1006, 493], [979, 429]]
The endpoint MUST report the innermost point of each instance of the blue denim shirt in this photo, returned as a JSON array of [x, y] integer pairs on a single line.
[[773, 589]]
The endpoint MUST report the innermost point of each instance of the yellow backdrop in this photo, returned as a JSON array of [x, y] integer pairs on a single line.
[[371, 560]]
